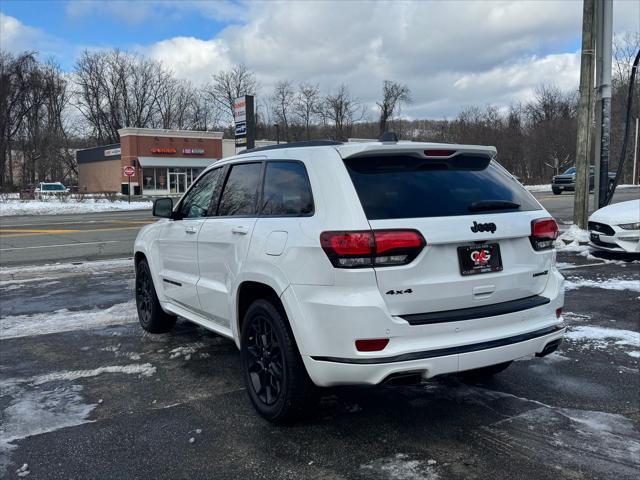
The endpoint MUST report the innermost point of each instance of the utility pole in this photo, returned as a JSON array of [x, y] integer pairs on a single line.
[[634, 180], [581, 197], [604, 38]]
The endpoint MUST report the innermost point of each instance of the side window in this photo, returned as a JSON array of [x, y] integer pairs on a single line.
[[286, 190], [241, 190], [197, 201]]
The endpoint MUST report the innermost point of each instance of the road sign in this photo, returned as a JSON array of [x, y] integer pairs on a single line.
[[129, 171]]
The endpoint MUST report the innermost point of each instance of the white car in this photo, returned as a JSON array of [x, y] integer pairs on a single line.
[[50, 188], [364, 263], [616, 227]]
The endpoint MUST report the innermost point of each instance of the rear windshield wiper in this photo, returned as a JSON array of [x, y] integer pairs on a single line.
[[492, 205]]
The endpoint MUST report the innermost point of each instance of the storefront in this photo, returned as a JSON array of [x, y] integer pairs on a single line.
[[166, 162]]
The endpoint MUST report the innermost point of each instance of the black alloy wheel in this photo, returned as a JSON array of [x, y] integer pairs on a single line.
[[277, 381], [266, 362], [150, 313]]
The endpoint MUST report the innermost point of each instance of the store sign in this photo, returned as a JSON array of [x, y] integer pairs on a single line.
[[112, 152], [243, 115], [240, 109], [193, 151], [163, 151]]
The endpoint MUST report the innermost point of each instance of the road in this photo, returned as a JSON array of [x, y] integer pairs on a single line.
[[35, 240], [85, 393]]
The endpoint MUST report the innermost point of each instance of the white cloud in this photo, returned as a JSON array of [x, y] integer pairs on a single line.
[[16, 37], [449, 53]]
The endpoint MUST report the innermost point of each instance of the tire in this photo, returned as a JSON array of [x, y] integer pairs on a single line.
[[484, 373], [556, 191], [152, 317], [276, 379]]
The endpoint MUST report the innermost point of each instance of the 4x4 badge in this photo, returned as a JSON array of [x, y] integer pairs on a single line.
[[483, 227], [398, 292]]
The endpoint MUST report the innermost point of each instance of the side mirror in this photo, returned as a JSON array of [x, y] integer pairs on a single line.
[[163, 208]]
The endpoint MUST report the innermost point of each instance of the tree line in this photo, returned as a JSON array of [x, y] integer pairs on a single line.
[[45, 113]]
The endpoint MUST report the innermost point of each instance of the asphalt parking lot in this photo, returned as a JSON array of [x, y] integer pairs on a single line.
[[85, 393]]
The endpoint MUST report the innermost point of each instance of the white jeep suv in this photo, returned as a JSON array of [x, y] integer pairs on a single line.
[[357, 263]]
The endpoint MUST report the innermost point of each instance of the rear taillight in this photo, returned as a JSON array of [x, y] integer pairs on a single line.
[[544, 232], [369, 248]]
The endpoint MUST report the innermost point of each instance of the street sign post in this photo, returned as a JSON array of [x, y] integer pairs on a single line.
[[129, 172]]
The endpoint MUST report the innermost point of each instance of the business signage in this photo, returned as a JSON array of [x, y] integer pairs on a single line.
[[163, 151], [112, 152], [244, 118], [193, 151]]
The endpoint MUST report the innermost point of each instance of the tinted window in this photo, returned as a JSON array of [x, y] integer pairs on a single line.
[[197, 200], [286, 190], [410, 187], [241, 190]]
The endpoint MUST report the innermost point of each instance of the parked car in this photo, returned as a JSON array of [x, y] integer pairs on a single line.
[[566, 181], [616, 227], [45, 189], [364, 263]]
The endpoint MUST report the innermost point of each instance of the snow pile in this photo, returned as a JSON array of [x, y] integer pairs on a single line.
[[65, 320], [56, 207], [600, 338], [538, 188], [574, 283], [574, 239]]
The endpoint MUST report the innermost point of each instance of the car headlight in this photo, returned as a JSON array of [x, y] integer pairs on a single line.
[[630, 226]]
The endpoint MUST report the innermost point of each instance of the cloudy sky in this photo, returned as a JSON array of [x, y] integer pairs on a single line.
[[450, 53]]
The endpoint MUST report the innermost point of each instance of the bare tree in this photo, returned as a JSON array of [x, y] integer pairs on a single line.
[[393, 94], [282, 101], [307, 105], [339, 113], [228, 85]]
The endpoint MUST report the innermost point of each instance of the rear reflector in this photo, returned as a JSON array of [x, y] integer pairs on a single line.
[[368, 248], [439, 153], [544, 232], [558, 312], [371, 345]]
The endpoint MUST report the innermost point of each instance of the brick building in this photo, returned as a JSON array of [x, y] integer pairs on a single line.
[[165, 161]]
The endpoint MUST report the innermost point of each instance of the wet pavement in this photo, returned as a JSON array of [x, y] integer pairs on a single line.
[[85, 393]]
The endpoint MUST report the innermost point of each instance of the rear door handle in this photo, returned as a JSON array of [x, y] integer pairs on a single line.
[[190, 230], [240, 230]]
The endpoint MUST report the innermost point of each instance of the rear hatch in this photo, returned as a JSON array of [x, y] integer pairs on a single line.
[[476, 220]]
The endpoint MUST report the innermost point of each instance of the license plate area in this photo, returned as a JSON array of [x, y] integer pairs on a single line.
[[477, 259]]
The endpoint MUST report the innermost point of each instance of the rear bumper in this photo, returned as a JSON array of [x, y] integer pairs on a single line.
[[326, 321], [328, 372]]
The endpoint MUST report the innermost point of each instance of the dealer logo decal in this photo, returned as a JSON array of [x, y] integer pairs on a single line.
[[480, 257]]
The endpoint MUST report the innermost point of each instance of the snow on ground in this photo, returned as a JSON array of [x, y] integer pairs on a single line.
[[538, 188], [56, 207], [600, 338], [547, 187], [573, 283], [401, 466], [65, 320], [9, 275], [34, 409]]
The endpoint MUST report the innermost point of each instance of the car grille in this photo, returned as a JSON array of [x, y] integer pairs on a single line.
[[600, 243], [562, 180], [602, 228]]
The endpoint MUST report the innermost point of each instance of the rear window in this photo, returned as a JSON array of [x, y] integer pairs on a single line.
[[52, 187], [411, 187]]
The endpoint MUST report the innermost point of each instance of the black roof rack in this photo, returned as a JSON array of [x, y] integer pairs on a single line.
[[305, 143]]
